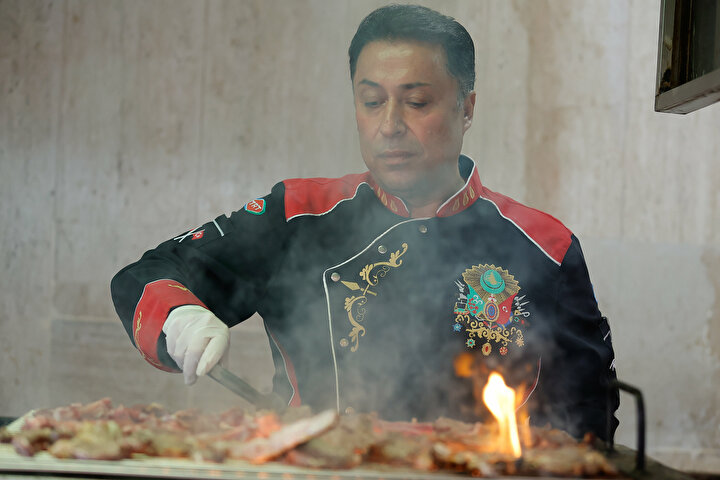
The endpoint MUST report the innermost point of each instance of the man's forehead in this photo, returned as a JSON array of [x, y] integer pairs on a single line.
[[397, 58], [402, 49]]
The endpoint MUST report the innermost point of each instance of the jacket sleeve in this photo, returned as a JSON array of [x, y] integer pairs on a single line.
[[223, 265], [580, 366]]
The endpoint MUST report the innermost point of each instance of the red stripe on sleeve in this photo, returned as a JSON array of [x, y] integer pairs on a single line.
[[157, 299], [295, 400]]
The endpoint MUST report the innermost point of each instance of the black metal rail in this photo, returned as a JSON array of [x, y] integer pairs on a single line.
[[613, 390]]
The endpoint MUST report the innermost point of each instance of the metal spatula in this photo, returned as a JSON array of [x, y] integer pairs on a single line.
[[240, 387]]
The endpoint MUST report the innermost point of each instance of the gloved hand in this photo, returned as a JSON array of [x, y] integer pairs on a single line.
[[196, 339]]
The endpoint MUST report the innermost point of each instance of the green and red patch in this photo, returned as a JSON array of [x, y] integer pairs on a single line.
[[256, 207]]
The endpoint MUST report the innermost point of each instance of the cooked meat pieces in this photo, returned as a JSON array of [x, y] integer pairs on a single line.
[[345, 446], [28, 443], [468, 461], [100, 440], [263, 449], [101, 431], [403, 450], [568, 461]]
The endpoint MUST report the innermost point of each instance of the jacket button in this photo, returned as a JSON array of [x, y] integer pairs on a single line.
[[335, 276], [382, 249], [422, 228]]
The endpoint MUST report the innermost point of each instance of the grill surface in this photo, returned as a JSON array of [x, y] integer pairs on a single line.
[[45, 466], [13, 465], [162, 468]]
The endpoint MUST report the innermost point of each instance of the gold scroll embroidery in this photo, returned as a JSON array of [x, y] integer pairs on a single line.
[[355, 304]]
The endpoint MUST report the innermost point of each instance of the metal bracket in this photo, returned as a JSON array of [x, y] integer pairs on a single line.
[[613, 389]]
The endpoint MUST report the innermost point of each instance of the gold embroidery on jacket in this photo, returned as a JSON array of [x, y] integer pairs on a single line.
[[136, 334], [136, 337], [355, 304]]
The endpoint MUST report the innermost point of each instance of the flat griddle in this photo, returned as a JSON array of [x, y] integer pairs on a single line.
[[45, 465], [632, 464]]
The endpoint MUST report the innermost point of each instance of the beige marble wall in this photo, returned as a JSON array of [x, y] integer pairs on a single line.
[[123, 123]]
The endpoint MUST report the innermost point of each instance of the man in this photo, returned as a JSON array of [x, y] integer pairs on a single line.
[[374, 287]]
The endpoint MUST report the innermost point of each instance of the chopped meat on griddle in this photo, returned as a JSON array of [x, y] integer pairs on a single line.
[[101, 431], [263, 449], [345, 446]]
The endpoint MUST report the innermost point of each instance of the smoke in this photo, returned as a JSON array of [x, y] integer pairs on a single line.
[[372, 314]]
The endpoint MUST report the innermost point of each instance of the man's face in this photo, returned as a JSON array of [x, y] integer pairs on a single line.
[[410, 124]]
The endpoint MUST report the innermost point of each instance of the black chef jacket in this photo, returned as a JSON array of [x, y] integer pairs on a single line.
[[368, 309]]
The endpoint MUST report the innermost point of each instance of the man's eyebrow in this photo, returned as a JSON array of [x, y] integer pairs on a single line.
[[410, 86], [405, 86], [370, 83]]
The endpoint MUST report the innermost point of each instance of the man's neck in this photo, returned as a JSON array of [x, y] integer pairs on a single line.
[[428, 210], [427, 206]]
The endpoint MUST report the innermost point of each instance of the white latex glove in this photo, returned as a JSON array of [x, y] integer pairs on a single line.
[[196, 339]]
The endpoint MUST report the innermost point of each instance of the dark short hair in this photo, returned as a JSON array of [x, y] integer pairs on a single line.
[[421, 24]]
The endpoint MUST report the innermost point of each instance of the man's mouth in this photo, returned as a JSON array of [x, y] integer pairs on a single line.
[[395, 157], [395, 153]]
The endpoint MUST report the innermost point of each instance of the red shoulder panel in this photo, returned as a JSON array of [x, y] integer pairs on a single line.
[[318, 196], [544, 230]]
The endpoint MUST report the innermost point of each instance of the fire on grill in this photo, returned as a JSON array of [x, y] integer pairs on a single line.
[[100, 430]]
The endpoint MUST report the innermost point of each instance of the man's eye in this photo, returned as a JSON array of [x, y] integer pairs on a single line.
[[417, 104], [372, 104]]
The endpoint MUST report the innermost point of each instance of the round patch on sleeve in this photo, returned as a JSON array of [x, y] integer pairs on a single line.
[[256, 207]]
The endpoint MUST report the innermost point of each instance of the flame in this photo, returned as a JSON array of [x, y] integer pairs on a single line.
[[500, 400], [463, 364]]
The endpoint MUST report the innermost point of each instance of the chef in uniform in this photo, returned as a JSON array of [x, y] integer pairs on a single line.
[[372, 286]]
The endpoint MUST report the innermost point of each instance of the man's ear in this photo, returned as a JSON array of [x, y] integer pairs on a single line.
[[468, 110]]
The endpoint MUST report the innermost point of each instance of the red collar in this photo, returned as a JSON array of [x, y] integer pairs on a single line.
[[465, 197]]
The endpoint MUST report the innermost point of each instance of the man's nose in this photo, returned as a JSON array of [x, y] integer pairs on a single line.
[[392, 121]]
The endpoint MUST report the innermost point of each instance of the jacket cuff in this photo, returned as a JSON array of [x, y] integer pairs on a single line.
[[158, 298]]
